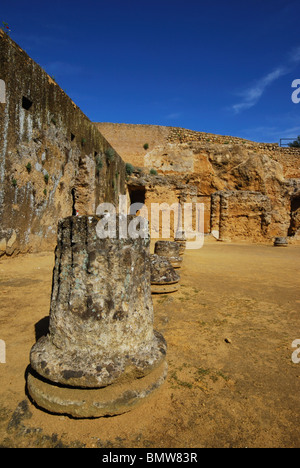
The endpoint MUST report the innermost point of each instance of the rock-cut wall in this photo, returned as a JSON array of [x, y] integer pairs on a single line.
[[53, 161], [250, 191]]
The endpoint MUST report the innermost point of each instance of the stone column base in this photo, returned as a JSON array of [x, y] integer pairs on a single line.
[[94, 402], [182, 247], [164, 288], [280, 242], [176, 262]]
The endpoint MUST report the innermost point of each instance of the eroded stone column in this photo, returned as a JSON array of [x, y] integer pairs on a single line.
[[180, 239], [169, 249], [102, 355], [224, 235], [164, 278]]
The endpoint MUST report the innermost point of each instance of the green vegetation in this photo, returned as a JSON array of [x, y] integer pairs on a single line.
[[195, 377], [99, 164], [179, 382], [162, 299], [5, 27], [129, 168], [14, 182], [146, 146], [45, 192], [296, 143], [28, 167], [110, 154], [153, 172], [201, 372], [46, 178]]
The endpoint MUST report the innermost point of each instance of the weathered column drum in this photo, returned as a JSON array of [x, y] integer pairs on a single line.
[[281, 242], [170, 250], [102, 355], [164, 278]]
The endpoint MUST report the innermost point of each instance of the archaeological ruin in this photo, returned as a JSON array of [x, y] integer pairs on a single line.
[[250, 191], [55, 162], [102, 355], [164, 278], [101, 348]]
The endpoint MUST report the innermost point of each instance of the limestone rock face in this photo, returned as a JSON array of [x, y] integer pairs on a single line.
[[294, 229], [256, 177], [101, 317], [295, 222], [8, 242]]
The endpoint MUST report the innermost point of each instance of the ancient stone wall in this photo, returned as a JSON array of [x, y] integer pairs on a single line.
[[54, 163], [197, 171], [240, 215], [166, 194], [129, 141], [201, 165], [53, 160]]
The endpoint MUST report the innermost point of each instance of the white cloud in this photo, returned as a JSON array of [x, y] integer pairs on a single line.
[[272, 133], [252, 95], [291, 132], [173, 116]]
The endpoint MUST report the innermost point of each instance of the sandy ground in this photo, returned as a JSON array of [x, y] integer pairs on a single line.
[[231, 379]]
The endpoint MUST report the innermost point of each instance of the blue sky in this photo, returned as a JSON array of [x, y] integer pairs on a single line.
[[223, 67]]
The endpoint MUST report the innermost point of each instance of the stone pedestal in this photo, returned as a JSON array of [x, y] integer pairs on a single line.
[[101, 356], [280, 242], [164, 278], [170, 250]]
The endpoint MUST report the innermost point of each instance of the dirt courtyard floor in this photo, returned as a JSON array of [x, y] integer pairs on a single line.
[[231, 380]]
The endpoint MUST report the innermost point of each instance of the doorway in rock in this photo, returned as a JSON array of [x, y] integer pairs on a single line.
[[137, 197], [73, 202], [295, 216]]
